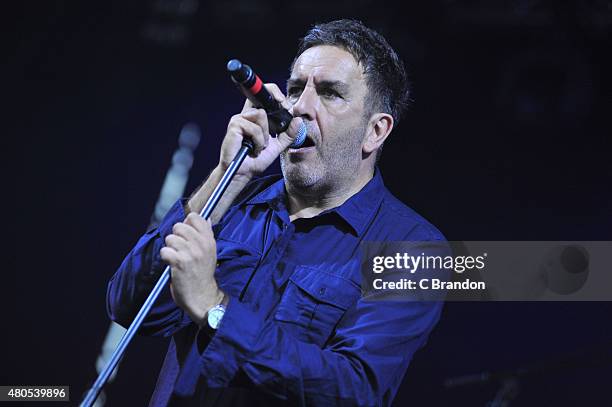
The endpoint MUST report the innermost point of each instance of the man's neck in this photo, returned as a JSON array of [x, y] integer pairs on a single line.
[[309, 203]]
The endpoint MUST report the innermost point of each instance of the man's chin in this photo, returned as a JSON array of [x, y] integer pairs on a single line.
[[298, 175]]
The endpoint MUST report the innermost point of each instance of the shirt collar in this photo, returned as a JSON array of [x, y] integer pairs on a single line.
[[360, 208], [357, 211], [275, 192]]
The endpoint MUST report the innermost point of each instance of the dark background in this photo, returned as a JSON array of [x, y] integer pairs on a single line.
[[507, 139]]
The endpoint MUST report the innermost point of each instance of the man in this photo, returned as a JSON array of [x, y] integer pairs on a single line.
[[265, 305]]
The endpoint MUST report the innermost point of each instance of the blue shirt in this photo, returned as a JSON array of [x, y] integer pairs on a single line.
[[296, 330]]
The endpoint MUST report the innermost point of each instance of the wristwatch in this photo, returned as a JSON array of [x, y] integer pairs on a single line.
[[215, 314]]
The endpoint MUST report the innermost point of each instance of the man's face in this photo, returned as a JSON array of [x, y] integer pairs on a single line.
[[327, 89]]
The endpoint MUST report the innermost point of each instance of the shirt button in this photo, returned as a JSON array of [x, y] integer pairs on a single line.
[[285, 226]]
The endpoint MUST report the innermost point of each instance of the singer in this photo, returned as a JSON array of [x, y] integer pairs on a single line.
[[265, 306]]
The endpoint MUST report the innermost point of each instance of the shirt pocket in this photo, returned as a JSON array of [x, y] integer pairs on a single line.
[[236, 262], [313, 303]]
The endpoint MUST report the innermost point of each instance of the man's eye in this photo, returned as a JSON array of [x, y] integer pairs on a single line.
[[329, 93], [294, 91]]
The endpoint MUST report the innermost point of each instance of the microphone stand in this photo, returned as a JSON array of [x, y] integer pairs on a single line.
[[94, 391]]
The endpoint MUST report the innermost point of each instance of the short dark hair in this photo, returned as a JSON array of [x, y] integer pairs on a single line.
[[386, 77]]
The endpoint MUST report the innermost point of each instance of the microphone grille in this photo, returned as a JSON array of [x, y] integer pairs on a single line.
[[300, 137]]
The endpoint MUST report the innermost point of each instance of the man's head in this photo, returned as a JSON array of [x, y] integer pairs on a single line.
[[385, 74], [350, 87]]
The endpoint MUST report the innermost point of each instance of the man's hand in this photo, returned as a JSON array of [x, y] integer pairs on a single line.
[[252, 123], [191, 252]]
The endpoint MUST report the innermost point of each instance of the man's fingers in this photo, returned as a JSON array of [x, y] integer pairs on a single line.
[[248, 105], [169, 255], [278, 95], [203, 227], [175, 242], [186, 231], [199, 224], [251, 130], [260, 118], [285, 139]]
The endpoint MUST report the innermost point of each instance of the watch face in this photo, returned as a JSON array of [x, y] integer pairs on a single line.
[[215, 315]]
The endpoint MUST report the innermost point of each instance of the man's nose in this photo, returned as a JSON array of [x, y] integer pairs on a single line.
[[306, 105]]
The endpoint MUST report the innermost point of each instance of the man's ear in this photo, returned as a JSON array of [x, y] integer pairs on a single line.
[[379, 128]]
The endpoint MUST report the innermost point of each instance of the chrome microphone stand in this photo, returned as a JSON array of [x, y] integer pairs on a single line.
[[279, 120], [94, 391]]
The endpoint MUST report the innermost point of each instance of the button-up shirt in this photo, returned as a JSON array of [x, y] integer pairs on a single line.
[[296, 330]]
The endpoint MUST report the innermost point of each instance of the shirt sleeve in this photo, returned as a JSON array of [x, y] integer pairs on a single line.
[[140, 270], [363, 364], [135, 278]]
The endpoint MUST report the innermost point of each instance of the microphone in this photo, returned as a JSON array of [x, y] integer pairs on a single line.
[[252, 87]]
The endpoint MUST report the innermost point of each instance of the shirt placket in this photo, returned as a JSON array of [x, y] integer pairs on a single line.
[[265, 288]]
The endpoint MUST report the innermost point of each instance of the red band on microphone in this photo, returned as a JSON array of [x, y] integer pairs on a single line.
[[256, 86]]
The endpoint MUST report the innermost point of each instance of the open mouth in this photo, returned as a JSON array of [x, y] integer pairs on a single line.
[[308, 142]]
